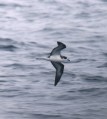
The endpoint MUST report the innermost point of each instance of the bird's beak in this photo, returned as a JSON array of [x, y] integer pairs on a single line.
[[68, 60]]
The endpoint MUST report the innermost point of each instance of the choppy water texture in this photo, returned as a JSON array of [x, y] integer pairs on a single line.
[[30, 29]]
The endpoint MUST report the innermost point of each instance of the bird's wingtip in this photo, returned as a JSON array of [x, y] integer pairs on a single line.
[[55, 84], [60, 43]]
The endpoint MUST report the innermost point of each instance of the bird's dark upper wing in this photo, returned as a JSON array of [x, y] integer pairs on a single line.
[[56, 50], [59, 71]]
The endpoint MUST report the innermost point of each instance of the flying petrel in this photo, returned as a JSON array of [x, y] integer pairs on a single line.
[[56, 58]]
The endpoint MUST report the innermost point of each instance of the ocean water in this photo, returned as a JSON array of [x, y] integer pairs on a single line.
[[31, 29]]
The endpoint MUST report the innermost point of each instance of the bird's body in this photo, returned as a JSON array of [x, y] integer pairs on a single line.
[[57, 59]]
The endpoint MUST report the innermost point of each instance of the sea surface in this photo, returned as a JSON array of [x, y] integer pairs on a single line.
[[30, 29]]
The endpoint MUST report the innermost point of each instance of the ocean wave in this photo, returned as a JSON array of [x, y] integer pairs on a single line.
[[89, 89], [94, 78], [7, 40], [103, 66], [20, 66], [9, 44], [105, 54], [104, 1], [8, 47], [12, 5], [48, 116]]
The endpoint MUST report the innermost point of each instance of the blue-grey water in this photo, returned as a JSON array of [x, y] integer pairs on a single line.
[[31, 29]]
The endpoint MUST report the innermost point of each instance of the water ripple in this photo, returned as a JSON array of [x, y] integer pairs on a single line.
[[8, 47], [94, 78]]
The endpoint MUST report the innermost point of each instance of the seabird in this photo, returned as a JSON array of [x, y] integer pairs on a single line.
[[56, 59]]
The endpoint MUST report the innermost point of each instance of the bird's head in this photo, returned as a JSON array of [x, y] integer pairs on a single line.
[[65, 58]]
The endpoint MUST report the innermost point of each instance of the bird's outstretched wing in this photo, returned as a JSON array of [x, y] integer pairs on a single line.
[[59, 71], [56, 50]]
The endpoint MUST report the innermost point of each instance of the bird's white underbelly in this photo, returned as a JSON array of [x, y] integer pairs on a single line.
[[56, 58]]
